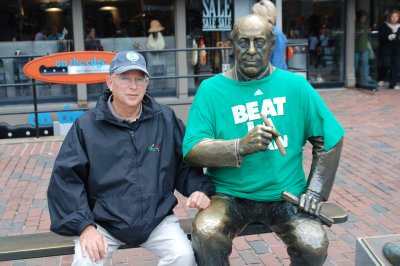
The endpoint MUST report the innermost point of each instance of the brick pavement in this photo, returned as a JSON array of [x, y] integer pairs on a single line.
[[367, 185]]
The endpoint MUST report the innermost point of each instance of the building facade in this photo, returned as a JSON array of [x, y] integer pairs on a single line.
[[320, 32]]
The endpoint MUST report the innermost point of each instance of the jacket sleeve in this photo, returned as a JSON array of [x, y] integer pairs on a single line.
[[188, 179], [67, 199]]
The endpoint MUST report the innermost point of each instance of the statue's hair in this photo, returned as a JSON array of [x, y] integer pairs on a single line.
[[270, 32], [266, 9]]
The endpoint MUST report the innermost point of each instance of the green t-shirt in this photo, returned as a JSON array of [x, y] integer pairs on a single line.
[[226, 109]]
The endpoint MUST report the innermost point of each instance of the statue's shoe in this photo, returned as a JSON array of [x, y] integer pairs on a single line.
[[392, 253]]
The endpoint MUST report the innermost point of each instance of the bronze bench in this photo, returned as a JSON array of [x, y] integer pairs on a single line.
[[50, 244]]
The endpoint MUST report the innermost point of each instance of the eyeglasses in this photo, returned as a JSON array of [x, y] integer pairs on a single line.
[[245, 43], [125, 81]]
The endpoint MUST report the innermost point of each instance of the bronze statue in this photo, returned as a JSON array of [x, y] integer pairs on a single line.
[[226, 134], [392, 253]]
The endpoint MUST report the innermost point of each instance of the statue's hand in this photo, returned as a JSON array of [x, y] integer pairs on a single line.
[[257, 139], [310, 202]]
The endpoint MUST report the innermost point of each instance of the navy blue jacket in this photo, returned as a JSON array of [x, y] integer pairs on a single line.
[[121, 177], [386, 47]]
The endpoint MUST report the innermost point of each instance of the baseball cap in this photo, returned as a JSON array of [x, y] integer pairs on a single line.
[[128, 60]]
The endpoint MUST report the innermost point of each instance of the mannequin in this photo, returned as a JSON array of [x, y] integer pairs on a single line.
[[155, 40]]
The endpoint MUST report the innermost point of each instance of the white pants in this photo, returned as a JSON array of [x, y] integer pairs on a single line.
[[167, 241]]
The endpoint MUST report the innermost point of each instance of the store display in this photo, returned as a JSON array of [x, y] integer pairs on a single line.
[[155, 41]]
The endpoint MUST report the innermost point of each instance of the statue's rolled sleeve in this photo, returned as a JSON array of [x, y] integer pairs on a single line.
[[323, 167]]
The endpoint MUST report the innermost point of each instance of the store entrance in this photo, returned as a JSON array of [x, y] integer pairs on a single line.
[[371, 72]]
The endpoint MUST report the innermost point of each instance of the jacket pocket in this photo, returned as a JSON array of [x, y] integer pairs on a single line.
[[119, 212]]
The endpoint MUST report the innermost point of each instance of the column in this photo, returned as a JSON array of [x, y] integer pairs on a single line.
[[79, 44], [350, 78], [278, 6], [180, 42]]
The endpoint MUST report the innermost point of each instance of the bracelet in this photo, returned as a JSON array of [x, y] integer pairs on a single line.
[[239, 158]]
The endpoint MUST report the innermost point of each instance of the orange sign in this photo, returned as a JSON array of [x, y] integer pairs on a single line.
[[71, 67]]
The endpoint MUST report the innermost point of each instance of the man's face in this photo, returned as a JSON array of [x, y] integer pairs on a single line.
[[128, 88], [252, 47]]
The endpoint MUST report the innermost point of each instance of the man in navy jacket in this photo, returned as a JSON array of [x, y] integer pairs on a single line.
[[114, 178]]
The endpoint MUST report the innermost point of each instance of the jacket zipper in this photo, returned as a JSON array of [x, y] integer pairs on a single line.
[[136, 168]]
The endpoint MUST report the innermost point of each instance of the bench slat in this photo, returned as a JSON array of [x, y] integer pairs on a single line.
[[34, 246], [50, 244]]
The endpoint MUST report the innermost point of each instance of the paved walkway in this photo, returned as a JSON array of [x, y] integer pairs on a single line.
[[367, 185]]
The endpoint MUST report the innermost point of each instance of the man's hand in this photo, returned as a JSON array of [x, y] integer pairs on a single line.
[[257, 139], [310, 202], [198, 200], [93, 243]]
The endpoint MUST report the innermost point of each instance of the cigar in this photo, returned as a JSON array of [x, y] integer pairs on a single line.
[[276, 139]]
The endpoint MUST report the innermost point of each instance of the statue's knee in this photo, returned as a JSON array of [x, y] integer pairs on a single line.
[[317, 249], [205, 227], [210, 243], [312, 243]]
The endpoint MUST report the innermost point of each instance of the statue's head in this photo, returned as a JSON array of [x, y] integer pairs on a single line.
[[253, 39]]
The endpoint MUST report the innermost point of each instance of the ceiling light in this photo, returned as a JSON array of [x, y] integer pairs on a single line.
[[53, 9], [54, 6], [107, 8]]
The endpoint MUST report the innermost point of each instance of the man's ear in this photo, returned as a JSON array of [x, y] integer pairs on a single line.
[[148, 84], [109, 81]]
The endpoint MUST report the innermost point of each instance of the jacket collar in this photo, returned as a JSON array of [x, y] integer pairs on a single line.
[[102, 112]]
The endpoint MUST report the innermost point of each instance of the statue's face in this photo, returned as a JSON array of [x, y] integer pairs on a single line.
[[252, 46]]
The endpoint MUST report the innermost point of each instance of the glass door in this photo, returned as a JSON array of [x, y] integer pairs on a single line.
[[321, 24]]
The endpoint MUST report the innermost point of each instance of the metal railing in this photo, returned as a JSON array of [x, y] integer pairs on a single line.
[[33, 83]]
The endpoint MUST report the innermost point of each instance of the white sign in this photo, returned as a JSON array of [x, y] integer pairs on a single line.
[[217, 15]]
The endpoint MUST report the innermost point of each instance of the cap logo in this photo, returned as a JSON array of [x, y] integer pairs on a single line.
[[133, 57]]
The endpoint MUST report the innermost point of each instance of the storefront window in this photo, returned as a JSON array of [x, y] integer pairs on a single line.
[[132, 25], [208, 24], [322, 25], [31, 28]]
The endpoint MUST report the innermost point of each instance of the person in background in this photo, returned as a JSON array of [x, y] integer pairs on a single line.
[[267, 9], [42, 34], [54, 34], [114, 178], [312, 47], [225, 133], [389, 50], [361, 47], [322, 46], [109, 27], [91, 42]]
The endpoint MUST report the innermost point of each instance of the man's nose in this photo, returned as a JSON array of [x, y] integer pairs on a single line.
[[252, 49], [132, 85]]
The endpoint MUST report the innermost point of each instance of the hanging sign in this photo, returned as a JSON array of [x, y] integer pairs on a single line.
[[217, 15], [71, 67]]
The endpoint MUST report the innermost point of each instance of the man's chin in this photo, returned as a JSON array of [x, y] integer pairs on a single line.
[[251, 72]]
